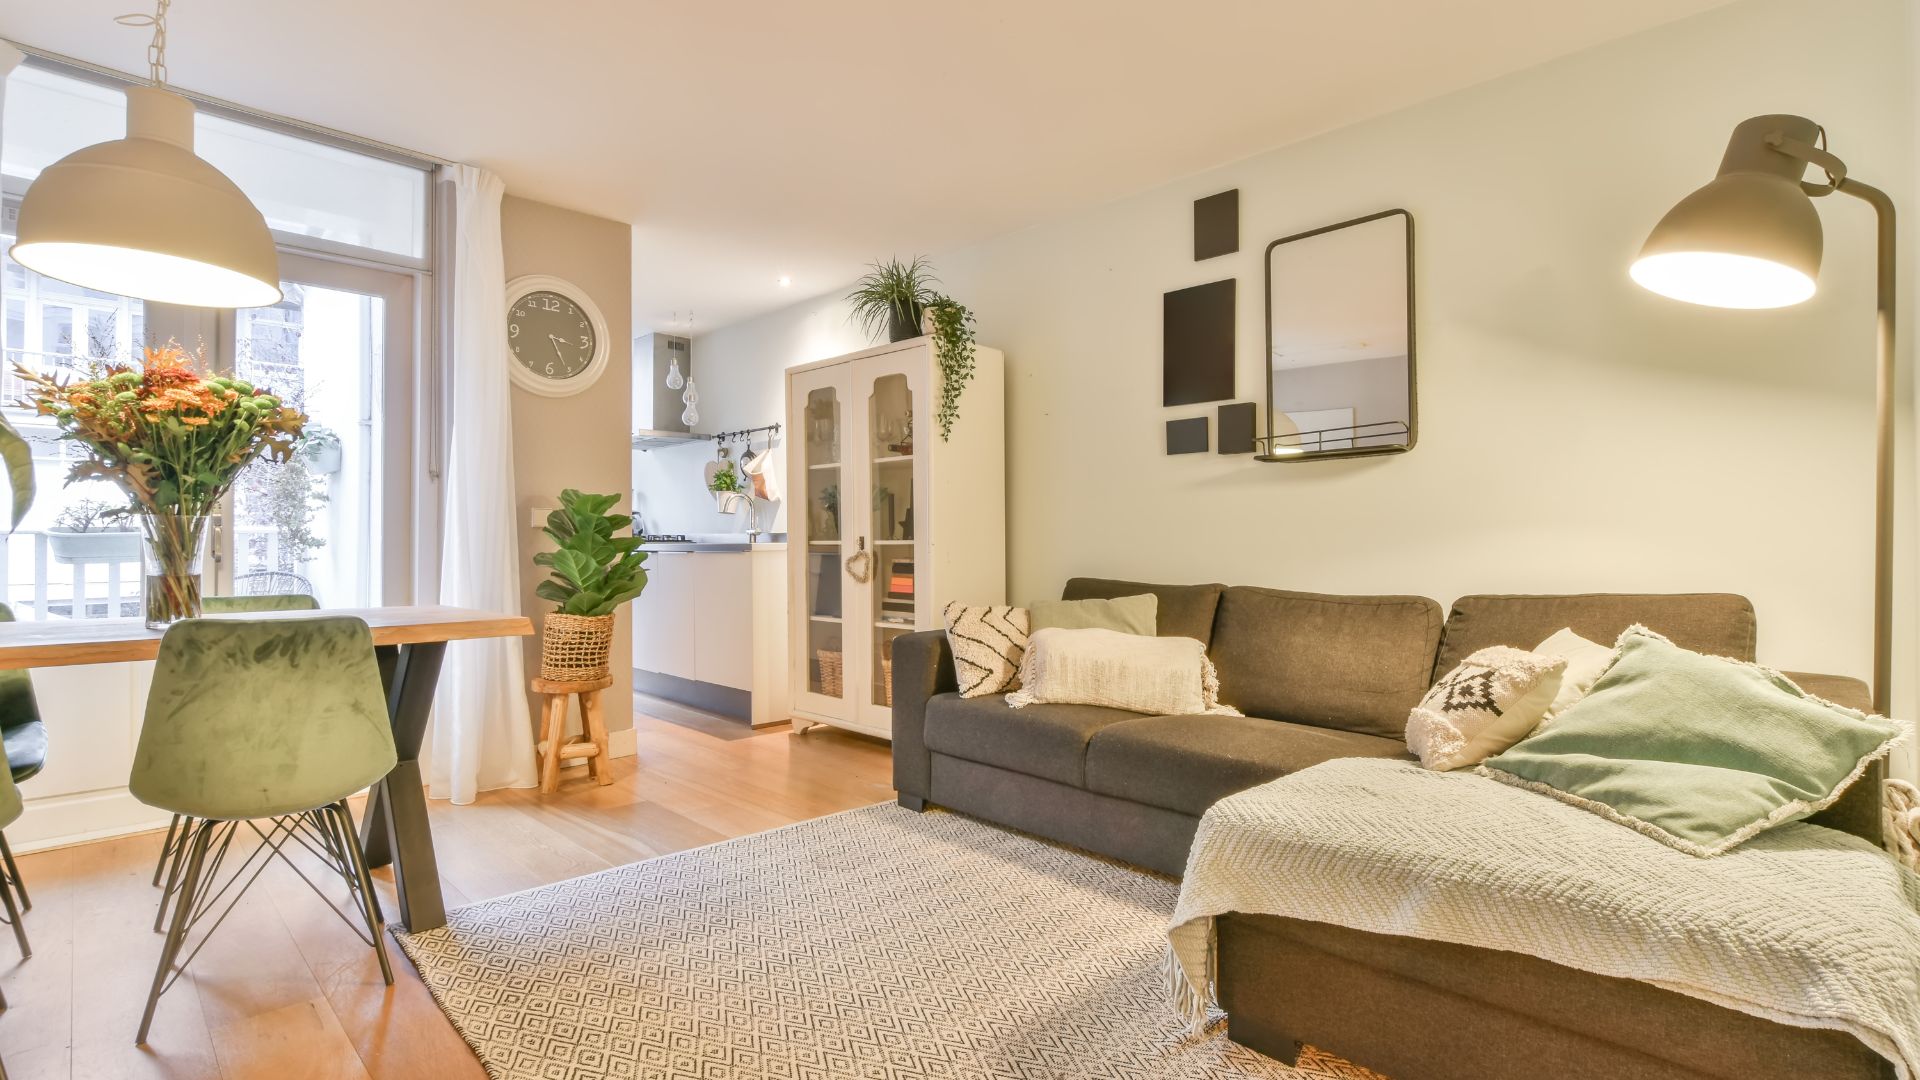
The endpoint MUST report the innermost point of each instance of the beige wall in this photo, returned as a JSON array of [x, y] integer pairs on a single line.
[[1576, 432], [580, 441]]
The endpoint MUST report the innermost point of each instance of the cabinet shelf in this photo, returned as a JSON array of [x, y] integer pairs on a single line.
[[895, 460], [878, 543], [825, 618], [823, 465]]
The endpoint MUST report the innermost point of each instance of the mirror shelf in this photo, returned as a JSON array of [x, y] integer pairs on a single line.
[[1340, 341]]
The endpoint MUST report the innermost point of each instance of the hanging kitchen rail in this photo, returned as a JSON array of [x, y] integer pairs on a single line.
[[745, 434]]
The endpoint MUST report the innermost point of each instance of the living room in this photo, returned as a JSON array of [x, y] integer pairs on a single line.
[[1107, 256]]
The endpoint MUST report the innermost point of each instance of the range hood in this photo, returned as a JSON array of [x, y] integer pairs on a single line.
[[654, 438], [657, 406]]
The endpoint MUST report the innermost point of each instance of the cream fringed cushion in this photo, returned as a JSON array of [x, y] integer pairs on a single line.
[[1495, 698], [1164, 676], [988, 642], [1585, 661]]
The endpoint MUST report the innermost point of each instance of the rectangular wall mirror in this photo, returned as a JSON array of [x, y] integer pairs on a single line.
[[1340, 340]]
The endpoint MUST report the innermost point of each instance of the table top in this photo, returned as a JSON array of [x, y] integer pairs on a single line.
[[117, 641]]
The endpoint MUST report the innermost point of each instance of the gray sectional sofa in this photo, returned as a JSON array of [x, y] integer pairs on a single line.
[[1322, 677]]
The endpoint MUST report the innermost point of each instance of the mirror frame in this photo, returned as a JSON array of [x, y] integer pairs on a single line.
[[1266, 352]]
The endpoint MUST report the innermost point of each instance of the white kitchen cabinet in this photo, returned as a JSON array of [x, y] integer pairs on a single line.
[[663, 616], [722, 630], [886, 521]]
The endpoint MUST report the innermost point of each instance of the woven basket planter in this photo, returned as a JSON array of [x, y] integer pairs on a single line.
[[574, 648]]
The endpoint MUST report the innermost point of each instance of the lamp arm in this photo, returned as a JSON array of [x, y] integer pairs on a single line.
[[1885, 300], [1835, 169]]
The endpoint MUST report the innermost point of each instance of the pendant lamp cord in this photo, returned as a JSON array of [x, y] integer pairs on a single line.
[[157, 48]]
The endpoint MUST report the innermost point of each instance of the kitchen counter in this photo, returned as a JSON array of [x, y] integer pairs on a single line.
[[717, 546]]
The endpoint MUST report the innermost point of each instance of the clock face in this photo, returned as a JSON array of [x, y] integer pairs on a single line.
[[550, 335]]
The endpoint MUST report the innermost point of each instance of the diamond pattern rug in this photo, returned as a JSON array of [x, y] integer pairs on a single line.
[[877, 944]]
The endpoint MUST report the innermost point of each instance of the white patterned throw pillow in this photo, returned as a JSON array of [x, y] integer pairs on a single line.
[[1495, 698], [988, 642]]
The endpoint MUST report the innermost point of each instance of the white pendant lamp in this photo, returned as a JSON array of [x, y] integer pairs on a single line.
[[144, 216]]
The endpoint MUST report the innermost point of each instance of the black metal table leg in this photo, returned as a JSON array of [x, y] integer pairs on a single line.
[[394, 828]]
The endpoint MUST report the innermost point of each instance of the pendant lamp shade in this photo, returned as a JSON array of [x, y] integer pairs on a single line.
[[145, 217], [1750, 238]]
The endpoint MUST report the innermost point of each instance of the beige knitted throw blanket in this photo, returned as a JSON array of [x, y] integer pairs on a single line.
[[1802, 925]]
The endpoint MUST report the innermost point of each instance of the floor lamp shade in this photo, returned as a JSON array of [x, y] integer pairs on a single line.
[[1749, 239], [145, 217]]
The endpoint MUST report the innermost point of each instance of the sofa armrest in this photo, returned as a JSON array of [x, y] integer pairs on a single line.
[[922, 667], [1858, 809]]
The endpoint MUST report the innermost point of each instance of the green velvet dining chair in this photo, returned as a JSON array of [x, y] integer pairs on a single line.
[[25, 740], [175, 844], [10, 810], [252, 723]]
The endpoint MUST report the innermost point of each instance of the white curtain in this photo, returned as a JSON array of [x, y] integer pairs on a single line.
[[482, 731]]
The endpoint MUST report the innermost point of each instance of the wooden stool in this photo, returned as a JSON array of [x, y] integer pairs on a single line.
[[591, 743]]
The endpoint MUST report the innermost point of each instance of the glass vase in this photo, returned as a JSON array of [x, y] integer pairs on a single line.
[[174, 545]]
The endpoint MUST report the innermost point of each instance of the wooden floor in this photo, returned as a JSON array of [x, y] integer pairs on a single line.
[[284, 990]]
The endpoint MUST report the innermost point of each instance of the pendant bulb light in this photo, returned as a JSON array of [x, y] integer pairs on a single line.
[[145, 217]]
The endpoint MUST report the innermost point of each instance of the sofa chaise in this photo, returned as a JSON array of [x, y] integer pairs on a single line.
[[1322, 677]]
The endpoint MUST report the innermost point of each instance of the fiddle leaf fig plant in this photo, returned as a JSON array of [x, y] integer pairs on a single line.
[[596, 566]]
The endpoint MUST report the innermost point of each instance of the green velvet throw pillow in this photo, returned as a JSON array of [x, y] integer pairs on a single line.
[[1128, 614], [1698, 752]]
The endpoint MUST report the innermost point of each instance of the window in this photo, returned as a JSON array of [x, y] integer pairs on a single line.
[[340, 346], [304, 187]]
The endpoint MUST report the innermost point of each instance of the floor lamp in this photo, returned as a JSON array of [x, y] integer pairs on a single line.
[[1751, 239]]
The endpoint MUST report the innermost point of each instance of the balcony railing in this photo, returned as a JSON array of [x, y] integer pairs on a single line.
[[39, 586]]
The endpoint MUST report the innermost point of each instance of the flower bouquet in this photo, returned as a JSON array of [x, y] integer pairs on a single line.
[[174, 442]]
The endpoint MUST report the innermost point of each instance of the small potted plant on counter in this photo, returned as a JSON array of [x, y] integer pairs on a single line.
[[596, 567], [94, 531]]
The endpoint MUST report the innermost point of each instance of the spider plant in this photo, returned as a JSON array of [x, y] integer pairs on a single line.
[[892, 297]]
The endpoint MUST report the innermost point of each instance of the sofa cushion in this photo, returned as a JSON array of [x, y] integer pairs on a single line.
[[1188, 763], [1358, 663], [1048, 741], [1718, 624], [1184, 610]]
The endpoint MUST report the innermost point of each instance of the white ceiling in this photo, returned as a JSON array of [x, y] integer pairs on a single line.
[[749, 139]]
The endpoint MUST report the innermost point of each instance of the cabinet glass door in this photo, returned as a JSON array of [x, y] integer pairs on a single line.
[[820, 402], [889, 450]]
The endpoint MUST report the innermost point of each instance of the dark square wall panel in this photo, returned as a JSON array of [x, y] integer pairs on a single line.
[[1196, 347], [1216, 225], [1236, 428], [1187, 436]]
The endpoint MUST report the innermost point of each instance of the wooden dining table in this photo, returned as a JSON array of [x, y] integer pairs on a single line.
[[410, 643]]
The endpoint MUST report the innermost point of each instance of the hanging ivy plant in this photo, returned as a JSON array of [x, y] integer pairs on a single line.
[[952, 326]]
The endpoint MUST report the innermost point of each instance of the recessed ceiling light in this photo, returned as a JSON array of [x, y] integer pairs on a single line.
[[785, 281]]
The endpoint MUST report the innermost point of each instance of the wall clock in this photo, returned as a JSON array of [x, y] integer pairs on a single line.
[[556, 337]]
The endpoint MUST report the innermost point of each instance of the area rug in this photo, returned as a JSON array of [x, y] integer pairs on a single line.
[[874, 944]]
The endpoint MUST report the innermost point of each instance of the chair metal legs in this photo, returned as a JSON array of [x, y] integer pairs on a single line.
[[164, 973], [13, 874], [168, 848], [173, 854], [9, 886], [197, 889]]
